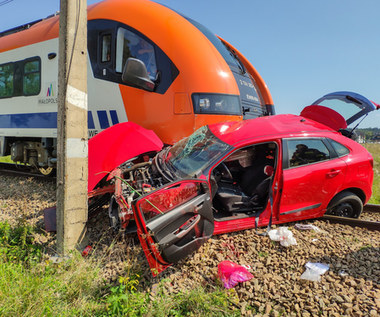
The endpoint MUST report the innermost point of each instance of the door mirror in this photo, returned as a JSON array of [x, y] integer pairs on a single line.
[[136, 74]]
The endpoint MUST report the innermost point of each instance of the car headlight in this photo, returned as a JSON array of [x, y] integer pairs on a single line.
[[216, 104]]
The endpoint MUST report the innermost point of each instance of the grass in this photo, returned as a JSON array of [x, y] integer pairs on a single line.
[[374, 149], [32, 285]]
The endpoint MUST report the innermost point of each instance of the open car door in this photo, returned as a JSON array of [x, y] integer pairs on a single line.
[[173, 221], [339, 110]]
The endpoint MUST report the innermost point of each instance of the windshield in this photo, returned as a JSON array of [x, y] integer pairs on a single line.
[[346, 109], [193, 154]]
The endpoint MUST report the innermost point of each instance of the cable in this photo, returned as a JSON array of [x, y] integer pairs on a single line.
[[75, 39], [4, 2]]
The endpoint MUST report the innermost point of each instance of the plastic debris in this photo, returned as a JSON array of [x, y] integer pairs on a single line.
[[284, 235], [56, 259], [86, 251], [342, 273], [314, 271], [309, 226], [231, 274]]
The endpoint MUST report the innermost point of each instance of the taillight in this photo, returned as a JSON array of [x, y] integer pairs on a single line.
[[370, 159]]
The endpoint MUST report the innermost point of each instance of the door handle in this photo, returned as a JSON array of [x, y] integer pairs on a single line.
[[333, 173], [187, 226]]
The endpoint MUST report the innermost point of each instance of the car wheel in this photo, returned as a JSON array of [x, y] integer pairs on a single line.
[[345, 204]]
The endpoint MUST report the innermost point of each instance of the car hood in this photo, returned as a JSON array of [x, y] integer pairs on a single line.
[[339, 109], [115, 145]]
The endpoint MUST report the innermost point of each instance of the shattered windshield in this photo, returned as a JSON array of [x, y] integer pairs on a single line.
[[193, 154]]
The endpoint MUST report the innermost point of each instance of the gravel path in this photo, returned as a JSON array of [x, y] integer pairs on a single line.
[[349, 288]]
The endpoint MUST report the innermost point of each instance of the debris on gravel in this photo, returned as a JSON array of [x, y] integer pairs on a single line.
[[351, 286]]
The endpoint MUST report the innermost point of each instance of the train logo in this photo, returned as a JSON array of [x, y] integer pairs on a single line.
[[51, 97]]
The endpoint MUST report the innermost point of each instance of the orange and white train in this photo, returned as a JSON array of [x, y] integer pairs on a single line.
[[192, 78]]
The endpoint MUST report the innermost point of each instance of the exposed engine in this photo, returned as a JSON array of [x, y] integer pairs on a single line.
[[132, 180]]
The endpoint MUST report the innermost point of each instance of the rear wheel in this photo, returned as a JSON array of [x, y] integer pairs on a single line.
[[345, 204]]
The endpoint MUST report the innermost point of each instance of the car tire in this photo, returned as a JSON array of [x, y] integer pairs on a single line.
[[345, 204]]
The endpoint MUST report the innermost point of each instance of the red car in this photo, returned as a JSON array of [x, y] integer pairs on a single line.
[[234, 175]]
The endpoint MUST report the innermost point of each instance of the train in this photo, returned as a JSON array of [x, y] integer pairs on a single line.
[[193, 78]]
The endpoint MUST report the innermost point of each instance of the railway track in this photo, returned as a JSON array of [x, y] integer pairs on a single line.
[[22, 171], [369, 208], [370, 225]]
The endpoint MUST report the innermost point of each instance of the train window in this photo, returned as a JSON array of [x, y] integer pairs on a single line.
[[32, 77], [6, 80], [129, 44], [106, 48]]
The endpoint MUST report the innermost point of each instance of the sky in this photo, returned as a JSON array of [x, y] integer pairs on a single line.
[[302, 49]]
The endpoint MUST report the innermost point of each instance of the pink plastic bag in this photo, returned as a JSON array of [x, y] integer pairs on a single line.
[[231, 273]]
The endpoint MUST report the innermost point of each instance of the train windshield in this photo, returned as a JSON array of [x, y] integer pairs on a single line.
[[228, 56]]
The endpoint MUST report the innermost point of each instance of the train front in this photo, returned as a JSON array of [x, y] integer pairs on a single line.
[[195, 78]]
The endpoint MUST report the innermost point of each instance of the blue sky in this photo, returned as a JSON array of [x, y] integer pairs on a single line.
[[302, 49]]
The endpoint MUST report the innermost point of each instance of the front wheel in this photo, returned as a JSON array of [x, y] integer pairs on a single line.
[[345, 204]]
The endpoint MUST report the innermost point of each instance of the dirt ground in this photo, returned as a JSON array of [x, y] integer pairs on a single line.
[[349, 288]]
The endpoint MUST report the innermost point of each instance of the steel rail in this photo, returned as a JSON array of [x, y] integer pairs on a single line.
[[371, 225], [371, 208], [13, 172]]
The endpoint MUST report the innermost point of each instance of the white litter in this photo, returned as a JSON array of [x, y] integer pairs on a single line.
[[284, 235], [314, 271], [309, 226]]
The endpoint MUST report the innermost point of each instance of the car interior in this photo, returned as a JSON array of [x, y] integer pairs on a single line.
[[240, 184]]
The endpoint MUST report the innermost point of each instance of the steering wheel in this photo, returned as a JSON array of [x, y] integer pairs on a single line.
[[225, 172]]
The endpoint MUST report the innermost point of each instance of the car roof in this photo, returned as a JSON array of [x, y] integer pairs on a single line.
[[283, 125]]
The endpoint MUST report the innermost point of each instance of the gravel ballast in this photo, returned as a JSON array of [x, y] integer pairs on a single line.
[[349, 288]]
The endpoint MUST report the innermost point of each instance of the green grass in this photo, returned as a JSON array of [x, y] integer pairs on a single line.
[[374, 149], [32, 285]]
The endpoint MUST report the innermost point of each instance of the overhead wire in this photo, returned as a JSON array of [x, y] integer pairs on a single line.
[[4, 2]]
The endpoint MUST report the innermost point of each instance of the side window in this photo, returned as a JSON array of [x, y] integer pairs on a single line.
[[306, 151], [129, 44], [6, 80], [106, 48], [32, 77], [340, 149]]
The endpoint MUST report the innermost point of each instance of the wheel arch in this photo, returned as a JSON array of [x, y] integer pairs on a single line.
[[357, 191], [343, 194]]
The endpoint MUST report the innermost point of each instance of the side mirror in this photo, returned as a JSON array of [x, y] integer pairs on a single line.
[[136, 74]]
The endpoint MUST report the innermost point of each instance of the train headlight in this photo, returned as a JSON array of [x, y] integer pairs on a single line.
[[216, 104]]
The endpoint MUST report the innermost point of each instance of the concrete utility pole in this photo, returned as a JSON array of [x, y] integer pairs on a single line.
[[72, 133]]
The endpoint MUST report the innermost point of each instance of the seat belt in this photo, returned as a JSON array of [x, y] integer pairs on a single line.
[[271, 211]]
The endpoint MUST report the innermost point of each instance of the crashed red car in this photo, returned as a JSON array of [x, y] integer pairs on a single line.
[[233, 175]]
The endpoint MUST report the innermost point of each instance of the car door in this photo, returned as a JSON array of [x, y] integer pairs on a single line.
[[312, 174], [173, 221]]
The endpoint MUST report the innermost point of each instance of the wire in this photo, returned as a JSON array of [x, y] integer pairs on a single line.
[[78, 3], [4, 2]]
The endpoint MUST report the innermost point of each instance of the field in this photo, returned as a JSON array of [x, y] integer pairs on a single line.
[[374, 149]]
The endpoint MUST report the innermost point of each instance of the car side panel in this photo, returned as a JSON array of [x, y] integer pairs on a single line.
[[307, 189]]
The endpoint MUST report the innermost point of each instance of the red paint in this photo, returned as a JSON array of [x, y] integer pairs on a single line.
[[115, 145], [326, 116]]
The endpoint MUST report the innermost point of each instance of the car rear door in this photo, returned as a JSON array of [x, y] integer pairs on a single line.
[[310, 179], [173, 221]]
